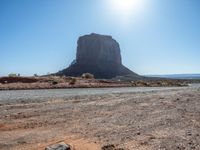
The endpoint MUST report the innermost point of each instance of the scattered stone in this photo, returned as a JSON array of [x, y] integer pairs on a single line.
[[189, 134], [21, 141], [138, 133], [108, 147], [60, 146], [111, 147], [144, 143], [190, 143], [180, 147]]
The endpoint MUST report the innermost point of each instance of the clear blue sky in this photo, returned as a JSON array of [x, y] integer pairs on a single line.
[[40, 36]]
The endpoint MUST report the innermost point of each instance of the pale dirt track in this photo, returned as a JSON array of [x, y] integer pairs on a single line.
[[149, 120]]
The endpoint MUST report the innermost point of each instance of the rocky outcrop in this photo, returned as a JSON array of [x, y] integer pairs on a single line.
[[99, 55]]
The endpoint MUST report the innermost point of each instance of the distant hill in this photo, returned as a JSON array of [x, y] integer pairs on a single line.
[[177, 76]]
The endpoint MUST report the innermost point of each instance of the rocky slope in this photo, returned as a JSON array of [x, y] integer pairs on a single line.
[[99, 55]]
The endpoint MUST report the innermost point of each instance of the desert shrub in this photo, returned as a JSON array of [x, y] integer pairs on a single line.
[[12, 75], [72, 81], [162, 83], [87, 76], [147, 84], [140, 82], [54, 82], [133, 83], [35, 75]]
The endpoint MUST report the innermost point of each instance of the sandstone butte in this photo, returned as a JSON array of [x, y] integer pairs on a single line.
[[99, 55]]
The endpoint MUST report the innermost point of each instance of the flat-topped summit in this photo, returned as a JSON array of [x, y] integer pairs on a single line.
[[99, 55], [95, 48]]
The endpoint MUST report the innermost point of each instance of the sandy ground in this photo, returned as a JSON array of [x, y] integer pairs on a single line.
[[158, 120]]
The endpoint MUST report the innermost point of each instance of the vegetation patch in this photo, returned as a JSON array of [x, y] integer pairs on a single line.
[[87, 76]]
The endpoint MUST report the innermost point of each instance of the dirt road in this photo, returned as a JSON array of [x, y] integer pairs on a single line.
[[134, 119], [26, 95]]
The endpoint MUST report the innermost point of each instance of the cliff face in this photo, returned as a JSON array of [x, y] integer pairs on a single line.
[[95, 49], [98, 55]]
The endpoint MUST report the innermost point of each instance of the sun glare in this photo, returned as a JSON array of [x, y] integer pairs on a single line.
[[125, 8]]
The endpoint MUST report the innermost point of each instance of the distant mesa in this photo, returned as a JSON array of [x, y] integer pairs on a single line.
[[99, 55]]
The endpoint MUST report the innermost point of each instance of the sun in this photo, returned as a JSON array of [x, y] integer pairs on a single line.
[[125, 8], [124, 5]]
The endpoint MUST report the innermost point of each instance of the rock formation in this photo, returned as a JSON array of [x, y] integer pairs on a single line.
[[98, 55]]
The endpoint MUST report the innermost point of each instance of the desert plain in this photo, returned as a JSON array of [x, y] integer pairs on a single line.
[[133, 118]]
